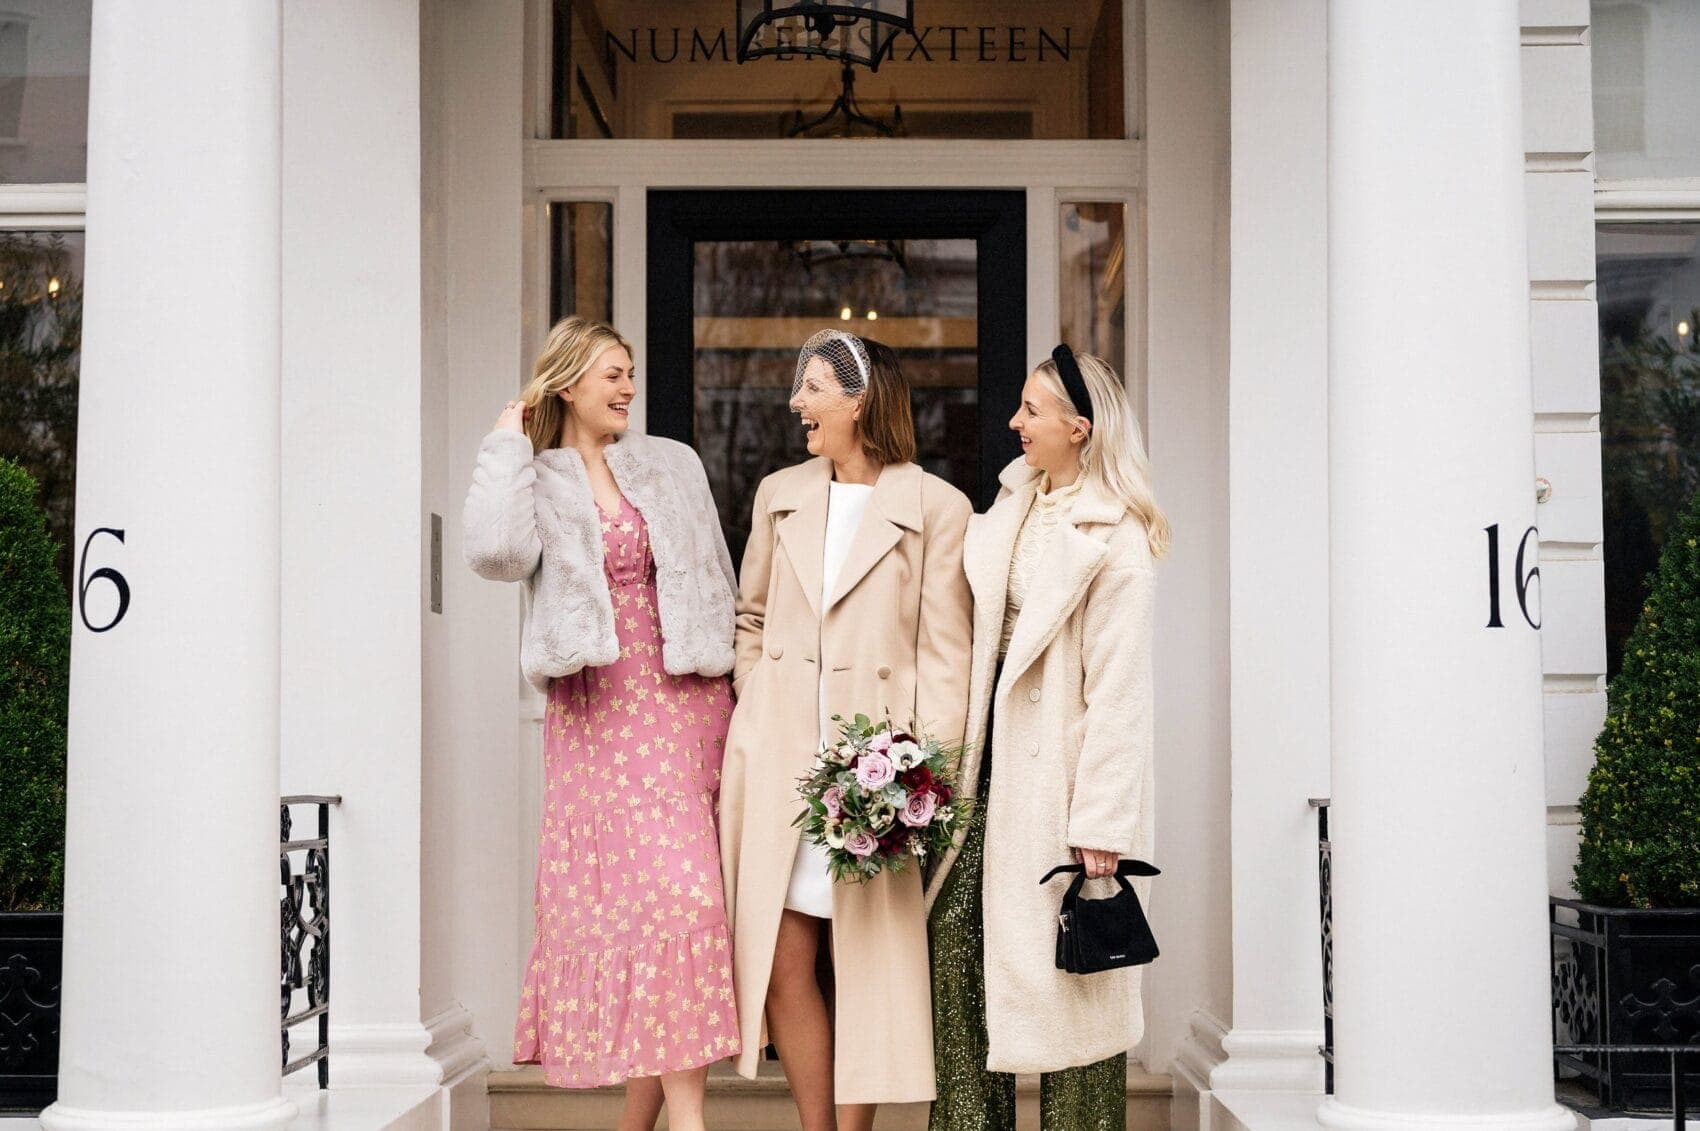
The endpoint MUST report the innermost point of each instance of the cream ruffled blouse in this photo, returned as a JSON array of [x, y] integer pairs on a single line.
[[1049, 510]]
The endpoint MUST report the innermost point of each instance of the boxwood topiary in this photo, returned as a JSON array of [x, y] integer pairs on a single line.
[[35, 660], [1641, 810]]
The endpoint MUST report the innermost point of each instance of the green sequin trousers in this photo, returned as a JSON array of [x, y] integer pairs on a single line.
[[1090, 1098]]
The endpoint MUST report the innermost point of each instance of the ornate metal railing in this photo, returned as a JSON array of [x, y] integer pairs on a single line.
[[306, 926], [1325, 894], [1619, 1021]]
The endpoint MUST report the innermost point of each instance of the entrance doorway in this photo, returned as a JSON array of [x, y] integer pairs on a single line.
[[739, 279]]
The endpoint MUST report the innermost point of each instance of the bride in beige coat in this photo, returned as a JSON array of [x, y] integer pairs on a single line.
[[889, 635], [1062, 573]]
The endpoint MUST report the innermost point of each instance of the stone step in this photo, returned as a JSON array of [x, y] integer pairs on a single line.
[[521, 1101]]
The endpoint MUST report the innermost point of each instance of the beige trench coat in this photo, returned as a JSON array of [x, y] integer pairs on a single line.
[[894, 638], [1071, 764]]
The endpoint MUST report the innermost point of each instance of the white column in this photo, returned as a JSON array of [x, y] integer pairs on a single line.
[[1440, 953], [171, 925], [1278, 521]]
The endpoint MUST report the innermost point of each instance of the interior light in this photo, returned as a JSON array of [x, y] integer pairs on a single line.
[[844, 315], [1682, 329], [873, 315]]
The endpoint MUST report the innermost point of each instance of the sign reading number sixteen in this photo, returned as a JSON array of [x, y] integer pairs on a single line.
[[1524, 578], [105, 573]]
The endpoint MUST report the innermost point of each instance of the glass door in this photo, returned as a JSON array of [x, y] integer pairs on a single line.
[[739, 280]]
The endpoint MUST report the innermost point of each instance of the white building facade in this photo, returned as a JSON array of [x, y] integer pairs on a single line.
[[1345, 252]]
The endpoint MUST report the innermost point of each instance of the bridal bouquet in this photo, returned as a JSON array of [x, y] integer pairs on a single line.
[[878, 797]]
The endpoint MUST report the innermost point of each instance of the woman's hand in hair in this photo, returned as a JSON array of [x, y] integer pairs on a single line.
[[513, 417]]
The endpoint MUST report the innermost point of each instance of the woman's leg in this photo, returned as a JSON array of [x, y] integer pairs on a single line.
[[857, 1117], [797, 1021], [970, 1098], [684, 1098], [1090, 1098], [643, 1104]]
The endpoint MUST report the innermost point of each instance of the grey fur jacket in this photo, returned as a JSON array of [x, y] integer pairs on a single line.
[[532, 518]]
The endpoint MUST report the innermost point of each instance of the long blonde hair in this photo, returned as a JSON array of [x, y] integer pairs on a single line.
[[572, 346], [1113, 457]]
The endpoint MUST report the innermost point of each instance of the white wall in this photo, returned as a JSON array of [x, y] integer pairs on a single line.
[[351, 485], [475, 838], [1187, 219], [1564, 354]]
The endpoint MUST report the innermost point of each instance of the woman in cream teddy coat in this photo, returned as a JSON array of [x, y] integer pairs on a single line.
[[1061, 572]]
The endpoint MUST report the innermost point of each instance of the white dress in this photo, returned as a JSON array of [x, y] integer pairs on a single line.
[[811, 880]]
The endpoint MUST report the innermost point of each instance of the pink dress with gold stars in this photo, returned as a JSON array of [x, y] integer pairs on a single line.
[[631, 967]]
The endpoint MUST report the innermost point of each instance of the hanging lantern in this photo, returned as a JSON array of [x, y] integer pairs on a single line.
[[857, 31]]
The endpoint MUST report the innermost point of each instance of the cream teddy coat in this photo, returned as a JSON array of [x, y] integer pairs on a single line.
[[532, 517], [892, 639], [1071, 764]]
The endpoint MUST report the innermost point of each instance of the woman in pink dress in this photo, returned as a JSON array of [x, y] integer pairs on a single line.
[[628, 631]]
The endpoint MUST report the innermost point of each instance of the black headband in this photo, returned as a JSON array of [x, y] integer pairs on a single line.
[[1073, 383]]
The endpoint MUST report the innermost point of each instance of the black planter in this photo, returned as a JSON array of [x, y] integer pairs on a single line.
[[1627, 977], [31, 960]]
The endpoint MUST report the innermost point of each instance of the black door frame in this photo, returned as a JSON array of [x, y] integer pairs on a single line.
[[995, 219]]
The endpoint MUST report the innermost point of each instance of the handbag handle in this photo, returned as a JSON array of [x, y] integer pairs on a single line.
[[1126, 867]]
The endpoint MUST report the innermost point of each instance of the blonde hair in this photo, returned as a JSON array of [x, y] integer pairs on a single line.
[[1113, 456], [572, 346]]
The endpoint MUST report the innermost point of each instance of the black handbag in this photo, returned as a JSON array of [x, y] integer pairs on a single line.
[[1103, 934]]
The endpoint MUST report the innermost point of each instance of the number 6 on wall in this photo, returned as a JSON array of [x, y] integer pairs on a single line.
[[1523, 579], [105, 573]]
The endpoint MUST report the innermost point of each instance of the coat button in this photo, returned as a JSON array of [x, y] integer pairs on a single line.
[[1033, 695], [775, 650], [884, 672], [1033, 750]]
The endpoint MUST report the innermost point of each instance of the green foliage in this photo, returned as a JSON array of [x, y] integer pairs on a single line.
[[41, 336], [1641, 810], [35, 659]]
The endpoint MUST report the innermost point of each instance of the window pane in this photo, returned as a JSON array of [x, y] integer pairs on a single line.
[[41, 324], [1646, 87], [581, 276], [757, 302], [1649, 292], [1093, 260], [44, 91], [639, 69]]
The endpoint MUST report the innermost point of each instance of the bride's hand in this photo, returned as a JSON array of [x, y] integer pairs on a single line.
[[513, 417]]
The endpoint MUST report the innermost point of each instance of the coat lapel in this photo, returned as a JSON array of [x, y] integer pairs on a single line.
[[1072, 558], [894, 508], [802, 532]]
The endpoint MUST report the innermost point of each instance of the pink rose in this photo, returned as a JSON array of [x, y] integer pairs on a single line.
[[880, 742], [875, 771], [833, 798], [918, 813], [861, 843]]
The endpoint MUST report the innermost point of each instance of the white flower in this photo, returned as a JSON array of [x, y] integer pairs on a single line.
[[845, 754], [917, 846], [906, 755], [834, 834]]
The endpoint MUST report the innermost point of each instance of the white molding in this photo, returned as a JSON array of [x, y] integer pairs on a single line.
[[1201, 1052], [554, 166], [53, 207], [1669, 199], [1270, 1060], [437, 1051]]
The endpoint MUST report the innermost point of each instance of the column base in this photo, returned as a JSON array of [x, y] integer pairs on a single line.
[[1340, 1117], [270, 1115]]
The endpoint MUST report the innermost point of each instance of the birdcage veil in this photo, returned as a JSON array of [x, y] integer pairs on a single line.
[[845, 358]]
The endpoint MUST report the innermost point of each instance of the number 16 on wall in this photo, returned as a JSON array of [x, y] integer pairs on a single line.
[[1526, 579]]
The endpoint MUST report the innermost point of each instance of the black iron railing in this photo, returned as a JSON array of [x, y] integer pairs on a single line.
[[306, 938], [1325, 900], [1616, 1021]]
